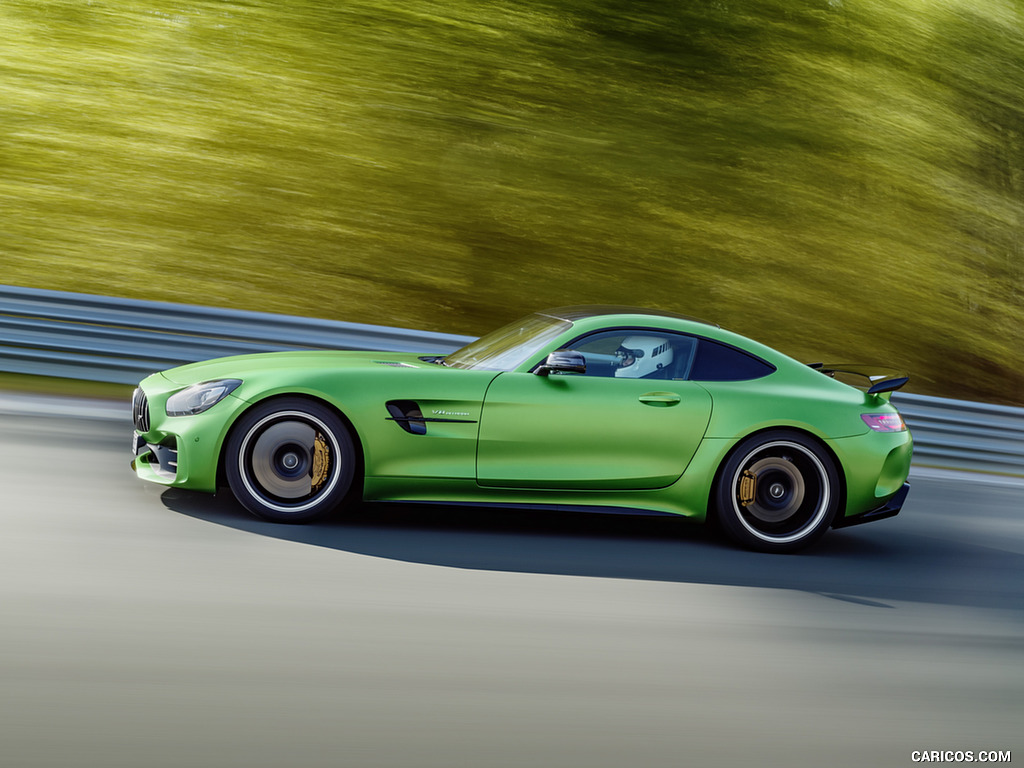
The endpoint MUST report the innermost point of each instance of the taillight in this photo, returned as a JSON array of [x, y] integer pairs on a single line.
[[884, 422]]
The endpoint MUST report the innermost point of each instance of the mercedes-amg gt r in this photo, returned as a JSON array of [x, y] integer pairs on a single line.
[[600, 408]]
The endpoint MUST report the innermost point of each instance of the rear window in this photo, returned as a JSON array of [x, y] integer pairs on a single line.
[[720, 362]]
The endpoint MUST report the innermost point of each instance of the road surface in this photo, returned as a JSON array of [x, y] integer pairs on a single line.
[[143, 628]]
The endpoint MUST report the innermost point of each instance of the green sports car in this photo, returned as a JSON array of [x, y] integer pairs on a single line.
[[601, 408]]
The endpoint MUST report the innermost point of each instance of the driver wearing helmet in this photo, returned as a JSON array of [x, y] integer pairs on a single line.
[[640, 357]]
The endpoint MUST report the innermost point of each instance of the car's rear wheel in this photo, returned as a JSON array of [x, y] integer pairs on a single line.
[[777, 492], [290, 460]]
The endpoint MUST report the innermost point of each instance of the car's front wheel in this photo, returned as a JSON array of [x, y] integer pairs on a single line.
[[777, 492], [290, 460]]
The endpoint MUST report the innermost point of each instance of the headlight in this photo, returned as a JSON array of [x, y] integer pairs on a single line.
[[200, 397]]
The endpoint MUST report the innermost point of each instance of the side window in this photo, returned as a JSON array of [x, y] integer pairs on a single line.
[[637, 354], [719, 362]]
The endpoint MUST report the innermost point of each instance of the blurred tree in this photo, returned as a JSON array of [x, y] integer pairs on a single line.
[[839, 178]]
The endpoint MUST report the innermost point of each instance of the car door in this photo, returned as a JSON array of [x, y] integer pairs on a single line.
[[603, 431]]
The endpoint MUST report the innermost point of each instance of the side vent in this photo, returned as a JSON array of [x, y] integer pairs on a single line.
[[408, 416]]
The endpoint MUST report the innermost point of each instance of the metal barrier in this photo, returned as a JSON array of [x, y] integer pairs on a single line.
[[100, 338], [961, 434]]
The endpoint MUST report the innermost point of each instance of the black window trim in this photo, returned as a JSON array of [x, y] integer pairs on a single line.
[[694, 336]]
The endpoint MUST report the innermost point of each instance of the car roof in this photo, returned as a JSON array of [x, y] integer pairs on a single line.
[[572, 314]]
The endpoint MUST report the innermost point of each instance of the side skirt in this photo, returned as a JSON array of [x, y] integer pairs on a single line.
[[581, 508]]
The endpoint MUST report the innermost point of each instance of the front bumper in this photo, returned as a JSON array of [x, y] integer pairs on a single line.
[[154, 461], [179, 451], [891, 508]]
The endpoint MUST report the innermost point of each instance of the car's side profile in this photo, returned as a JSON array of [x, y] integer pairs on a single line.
[[614, 409]]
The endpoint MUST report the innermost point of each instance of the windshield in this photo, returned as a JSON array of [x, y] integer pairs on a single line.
[[509, 347]]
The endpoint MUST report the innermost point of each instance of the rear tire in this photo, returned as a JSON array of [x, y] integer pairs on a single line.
[[777, 492], [290, 460]]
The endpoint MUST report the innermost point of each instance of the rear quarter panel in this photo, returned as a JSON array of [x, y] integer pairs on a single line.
[[826, 409]]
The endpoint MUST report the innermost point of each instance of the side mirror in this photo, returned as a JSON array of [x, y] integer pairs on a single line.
[[563, 361]]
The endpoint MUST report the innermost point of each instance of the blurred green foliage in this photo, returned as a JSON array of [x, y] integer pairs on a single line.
[[842, 179], [49, 385]]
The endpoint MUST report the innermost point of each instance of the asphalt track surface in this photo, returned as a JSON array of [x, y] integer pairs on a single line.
[[141, 627]]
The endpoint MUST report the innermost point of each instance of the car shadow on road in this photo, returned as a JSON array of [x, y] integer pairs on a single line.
[[872, 566]]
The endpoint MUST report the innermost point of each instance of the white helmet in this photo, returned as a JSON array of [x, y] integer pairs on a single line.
[[640, 356]]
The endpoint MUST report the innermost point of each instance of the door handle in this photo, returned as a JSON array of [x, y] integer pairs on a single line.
[[662, 399]]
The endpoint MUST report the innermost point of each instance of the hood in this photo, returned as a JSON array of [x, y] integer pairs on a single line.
[[241, 366]]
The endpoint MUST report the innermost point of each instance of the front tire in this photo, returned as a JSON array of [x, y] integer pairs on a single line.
[[777, 492], [290, 460]]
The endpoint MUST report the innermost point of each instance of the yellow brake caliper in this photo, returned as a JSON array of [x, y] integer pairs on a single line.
[[321, 461], [748, 487]]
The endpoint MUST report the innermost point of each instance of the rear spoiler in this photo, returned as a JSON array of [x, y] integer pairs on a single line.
[[879, 380]]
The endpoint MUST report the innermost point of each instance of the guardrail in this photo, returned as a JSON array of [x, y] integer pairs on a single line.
[[960, 434], [101, 338]]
